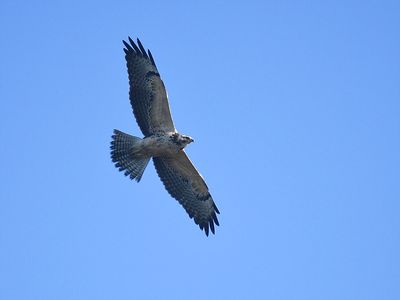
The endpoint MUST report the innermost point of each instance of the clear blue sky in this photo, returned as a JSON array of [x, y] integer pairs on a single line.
[[295, 109]]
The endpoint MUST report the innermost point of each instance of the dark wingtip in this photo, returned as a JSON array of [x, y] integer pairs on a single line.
[[142, 49], [214, 216], [212, 226], [216, 209], [130, 40], [136, 47], [206, 229], [151, 58], [127, 46], [132, 48]]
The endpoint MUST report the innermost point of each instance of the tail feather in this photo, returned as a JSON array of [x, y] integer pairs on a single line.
[[124, 149]]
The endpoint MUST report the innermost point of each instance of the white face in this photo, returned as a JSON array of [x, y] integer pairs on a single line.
[[181, 140], [186, 139]]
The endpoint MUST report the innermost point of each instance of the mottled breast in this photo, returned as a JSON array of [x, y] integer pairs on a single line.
[[160, 145]]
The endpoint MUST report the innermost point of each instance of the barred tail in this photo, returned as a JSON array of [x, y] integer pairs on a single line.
[[124, 149]]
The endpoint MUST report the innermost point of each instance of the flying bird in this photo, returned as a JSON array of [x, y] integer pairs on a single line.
[[161, 142]]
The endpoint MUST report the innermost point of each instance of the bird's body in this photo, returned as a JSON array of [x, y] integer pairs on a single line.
[[161, 142]]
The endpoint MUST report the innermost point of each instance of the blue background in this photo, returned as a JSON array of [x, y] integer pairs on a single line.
[[295, 109]]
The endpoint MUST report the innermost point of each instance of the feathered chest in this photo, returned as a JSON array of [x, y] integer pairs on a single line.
[[161, 145]]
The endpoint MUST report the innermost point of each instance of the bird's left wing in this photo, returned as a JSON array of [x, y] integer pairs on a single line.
[[147, 91], [185, 184]]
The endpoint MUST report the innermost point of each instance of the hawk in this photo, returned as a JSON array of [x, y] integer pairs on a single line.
[[161, 142]]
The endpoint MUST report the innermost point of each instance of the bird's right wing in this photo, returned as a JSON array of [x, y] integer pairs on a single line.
[[185, 184], [147, 91]]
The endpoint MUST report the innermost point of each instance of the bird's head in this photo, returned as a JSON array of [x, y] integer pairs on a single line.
[[186, 140], [181, 140]]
